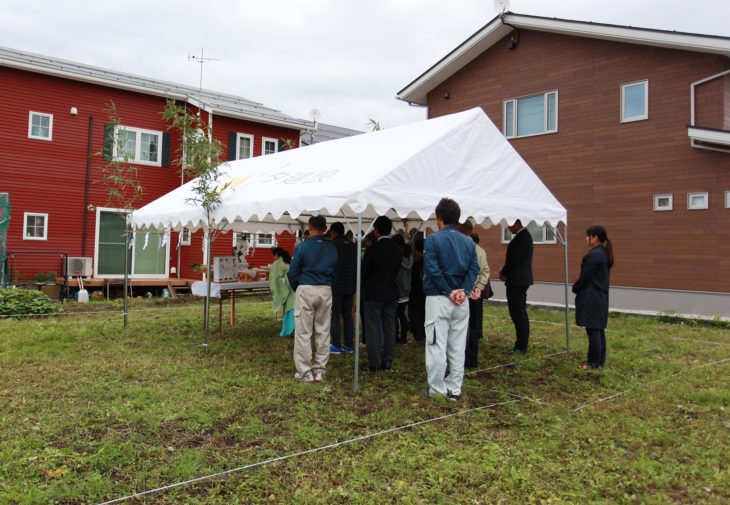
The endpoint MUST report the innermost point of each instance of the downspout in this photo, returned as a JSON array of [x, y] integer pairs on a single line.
[[86, 189]]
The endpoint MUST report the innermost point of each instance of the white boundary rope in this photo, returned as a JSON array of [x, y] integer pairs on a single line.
[[643, 386], [308, 451], [516, 362]]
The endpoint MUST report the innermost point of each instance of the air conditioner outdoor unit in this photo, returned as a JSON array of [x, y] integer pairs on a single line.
[[79, 265]]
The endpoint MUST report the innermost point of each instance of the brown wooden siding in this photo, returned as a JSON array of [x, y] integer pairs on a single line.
[[604, 171]]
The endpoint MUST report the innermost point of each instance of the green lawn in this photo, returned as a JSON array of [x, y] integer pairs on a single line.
[[91, 412]]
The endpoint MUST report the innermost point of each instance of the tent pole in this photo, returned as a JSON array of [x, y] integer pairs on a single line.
[[357, 301], [207, 295], [567, 307]]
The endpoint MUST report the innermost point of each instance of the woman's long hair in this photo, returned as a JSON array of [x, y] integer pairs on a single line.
[[599, 231], [282, 253]]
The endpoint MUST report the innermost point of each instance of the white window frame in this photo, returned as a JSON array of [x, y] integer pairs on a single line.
[[235, 237], [506, 235], [692, 206], [138, 144], [259, 236], [264, 140], [657, 202], [238, 144], [642, 117], [514, 102], [185, 236], [132, 266], [727, 199], [30, 126], [26, 215]]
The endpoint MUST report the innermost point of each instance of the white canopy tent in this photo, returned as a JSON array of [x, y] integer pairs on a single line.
[[401, 172]]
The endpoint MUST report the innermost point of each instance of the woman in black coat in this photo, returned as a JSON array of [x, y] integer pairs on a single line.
[[591, 294]]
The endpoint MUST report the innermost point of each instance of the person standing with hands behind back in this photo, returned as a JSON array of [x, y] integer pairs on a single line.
[[450, 268], [517, 276], [591, 294]]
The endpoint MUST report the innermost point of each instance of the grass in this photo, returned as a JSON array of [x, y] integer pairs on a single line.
[[91, 412]]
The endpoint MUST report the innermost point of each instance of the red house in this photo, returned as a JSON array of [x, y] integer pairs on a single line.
[[629, 128], [55, 118]]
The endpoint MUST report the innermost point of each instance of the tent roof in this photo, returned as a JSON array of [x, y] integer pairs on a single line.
[[402, 171]]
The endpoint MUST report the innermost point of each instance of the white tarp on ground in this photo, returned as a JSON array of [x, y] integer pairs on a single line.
[[402, 171]]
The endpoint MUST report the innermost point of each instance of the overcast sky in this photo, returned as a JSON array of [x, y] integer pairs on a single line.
[[347, 58]]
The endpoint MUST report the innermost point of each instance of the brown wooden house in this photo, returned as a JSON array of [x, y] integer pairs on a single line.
[[629, 128]]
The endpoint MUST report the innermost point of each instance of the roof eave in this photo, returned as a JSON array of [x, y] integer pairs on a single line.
[[416, 92], [293, 124]]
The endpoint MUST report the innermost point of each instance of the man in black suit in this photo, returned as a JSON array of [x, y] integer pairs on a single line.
[[342, 290], [380, 267], [517, 276]]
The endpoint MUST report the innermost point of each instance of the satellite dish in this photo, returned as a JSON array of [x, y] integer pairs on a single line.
[[501, 6], [314, 115]]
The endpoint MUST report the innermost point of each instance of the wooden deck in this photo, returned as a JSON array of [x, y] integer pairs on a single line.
[[174, 285]]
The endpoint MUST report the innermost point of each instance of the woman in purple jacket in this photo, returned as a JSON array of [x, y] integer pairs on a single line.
[[591, 294]]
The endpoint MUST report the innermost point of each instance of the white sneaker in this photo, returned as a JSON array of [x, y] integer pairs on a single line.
[[319, 376], [305, 377]]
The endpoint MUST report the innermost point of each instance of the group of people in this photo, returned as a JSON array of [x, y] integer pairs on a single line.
[[440, 282]]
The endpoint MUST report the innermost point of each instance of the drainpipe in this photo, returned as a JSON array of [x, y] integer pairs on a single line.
[[86, 189]]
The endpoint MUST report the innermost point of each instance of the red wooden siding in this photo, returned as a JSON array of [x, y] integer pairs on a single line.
[[50, 176]]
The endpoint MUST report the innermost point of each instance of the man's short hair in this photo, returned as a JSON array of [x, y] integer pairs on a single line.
[[466, 227], [337, 228], [318, 223], [448, 211], [384, 225]]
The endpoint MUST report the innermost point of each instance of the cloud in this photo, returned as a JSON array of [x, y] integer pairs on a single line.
[[346, 58]]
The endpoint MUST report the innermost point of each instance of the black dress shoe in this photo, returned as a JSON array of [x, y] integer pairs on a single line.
[[366, 368], [514, 351], [385, 366]]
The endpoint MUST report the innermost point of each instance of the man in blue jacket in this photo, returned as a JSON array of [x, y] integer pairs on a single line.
[[450, 268], [311, 275]]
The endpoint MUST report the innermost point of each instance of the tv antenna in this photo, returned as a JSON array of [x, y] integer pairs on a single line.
[[314, 115], [501, 6], [201, 60]]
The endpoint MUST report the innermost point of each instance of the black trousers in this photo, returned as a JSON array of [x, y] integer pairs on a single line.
[[341, 306], [417, 316], [375, 314], [476, 313], [517, 305], [596, 347]]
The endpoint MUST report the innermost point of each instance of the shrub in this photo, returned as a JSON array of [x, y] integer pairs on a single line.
[[20, 302]]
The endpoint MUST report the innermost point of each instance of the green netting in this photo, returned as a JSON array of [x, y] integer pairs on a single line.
[[4, 223]]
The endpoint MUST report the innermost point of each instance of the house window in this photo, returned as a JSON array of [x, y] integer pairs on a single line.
[[35, 226], [135, 145], [663, 202], [697, 201], [40, 126], [185, 237], [244, 146], [269, 146], [544, 234], [634, 101], [727, 199], [265, 240], [239, 238], [531, 115]]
